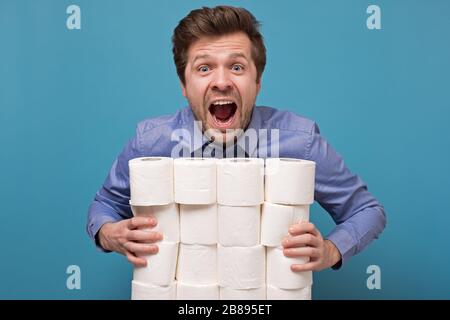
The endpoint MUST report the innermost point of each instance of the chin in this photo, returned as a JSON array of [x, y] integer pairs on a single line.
[[223, 136]]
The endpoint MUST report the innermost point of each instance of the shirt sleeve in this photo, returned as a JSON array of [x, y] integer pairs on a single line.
[[358, 216], [111, 202]]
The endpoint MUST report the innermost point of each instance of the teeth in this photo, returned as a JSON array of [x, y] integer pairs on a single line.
[[222, 102]]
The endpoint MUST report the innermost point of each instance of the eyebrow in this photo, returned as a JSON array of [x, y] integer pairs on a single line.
[[238, 55], [203, 56], [233, 55]]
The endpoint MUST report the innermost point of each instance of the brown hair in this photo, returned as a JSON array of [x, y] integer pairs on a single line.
[[217, 21]]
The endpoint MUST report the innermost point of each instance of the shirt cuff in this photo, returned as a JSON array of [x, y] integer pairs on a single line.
[[95, 225], [344, 242]]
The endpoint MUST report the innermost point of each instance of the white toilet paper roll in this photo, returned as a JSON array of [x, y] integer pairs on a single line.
[[279, 273], [195, 180], [276, 220], [242, 294], [144, 291], [240, 181], [239, 226], [160, 269], [197, 264], [167, 218], [198, 224], [151, 181], [197, 292], [290, 181], [241, 267], [274, 293]]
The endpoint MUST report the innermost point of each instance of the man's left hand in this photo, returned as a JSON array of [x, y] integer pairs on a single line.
[[305, 240]]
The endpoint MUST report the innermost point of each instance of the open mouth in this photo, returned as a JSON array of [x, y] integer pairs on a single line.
[[223, 113]]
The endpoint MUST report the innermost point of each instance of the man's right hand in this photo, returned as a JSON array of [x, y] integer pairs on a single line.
[[128, 238]]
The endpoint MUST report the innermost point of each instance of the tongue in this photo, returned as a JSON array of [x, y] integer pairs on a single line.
[[223, 112]]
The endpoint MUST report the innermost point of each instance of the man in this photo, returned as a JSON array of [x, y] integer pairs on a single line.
[[220, 57]]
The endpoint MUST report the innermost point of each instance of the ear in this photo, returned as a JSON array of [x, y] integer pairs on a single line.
[[258, 86], [183, 89]]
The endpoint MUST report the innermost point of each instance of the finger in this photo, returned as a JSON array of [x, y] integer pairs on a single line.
[[136, 261], [141, 222], [140, 249], [306, 239], [309, 266], [144, 236], [302, 252], [303, 227]]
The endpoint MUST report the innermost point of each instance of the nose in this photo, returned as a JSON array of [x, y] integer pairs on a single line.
[[221, 80]]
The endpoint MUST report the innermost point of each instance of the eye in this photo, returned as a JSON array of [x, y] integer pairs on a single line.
[[237, 67], [203, 69]]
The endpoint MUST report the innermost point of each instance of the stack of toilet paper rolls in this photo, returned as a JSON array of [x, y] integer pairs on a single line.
[[151, 195], [289, 191], [241, 257], [228, 223], [195, 191]]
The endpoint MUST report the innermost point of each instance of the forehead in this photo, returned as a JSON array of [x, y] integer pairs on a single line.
[[224, 44]]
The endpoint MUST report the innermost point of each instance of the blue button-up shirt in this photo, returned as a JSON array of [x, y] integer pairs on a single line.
[[359, 217]]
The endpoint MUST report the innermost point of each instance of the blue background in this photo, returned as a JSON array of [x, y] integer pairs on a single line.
[[70, 100]]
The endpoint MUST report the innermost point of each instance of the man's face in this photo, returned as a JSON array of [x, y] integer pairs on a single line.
[[221, 83]]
